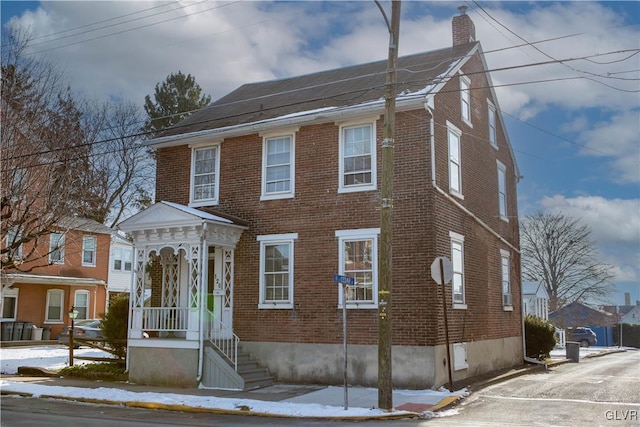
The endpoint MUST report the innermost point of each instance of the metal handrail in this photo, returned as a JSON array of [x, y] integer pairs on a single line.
[[222, 338]]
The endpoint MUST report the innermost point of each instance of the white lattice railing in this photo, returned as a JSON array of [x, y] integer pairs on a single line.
[[222, 338], [165, 318]]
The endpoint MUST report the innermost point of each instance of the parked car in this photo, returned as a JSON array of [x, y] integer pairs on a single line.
[[84, 329], [585, 336]]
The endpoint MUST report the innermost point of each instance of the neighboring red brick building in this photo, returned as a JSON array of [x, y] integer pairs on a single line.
[[274, 188], [71, 270]]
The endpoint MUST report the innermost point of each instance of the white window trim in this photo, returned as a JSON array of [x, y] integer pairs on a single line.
[[216, 190], [11, 293], [12, 236], [122, 259], [458, 238], [88, 307], [274, 239], [60, 248], [451, 128], [95, 251], [465, 94], [359, 234], [492, 109], [292, 166], [503, 215], [374, 163], [505, 255], [46, 307]]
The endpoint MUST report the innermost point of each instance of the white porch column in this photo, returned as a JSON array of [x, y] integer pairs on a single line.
[[195, 274], [137, 294]]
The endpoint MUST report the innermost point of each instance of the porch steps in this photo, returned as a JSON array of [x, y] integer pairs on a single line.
[[253, 375]]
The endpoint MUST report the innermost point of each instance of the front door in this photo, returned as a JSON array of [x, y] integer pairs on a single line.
[[220, 291]]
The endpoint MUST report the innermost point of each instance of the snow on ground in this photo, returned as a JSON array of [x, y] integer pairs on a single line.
[[57, 357]]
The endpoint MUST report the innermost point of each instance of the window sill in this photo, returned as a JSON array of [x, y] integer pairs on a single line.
[[88, 265], [276, 196], [275, 306], [458, 306], [494, 145], [363, 306], [356, 189], [467, 122], [456, 194], [507, 308], [200, 203], [504, 218]]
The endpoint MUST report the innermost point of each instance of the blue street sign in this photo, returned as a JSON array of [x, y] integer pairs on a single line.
[[345, 280]]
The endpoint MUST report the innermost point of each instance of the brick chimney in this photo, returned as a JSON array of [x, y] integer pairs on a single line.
[[462, 27]]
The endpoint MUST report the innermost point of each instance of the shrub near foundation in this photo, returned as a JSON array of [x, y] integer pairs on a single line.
[[115, 324], [539, 337]]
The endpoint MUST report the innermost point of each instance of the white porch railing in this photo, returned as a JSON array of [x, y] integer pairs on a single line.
[[222, 338], [169, 319]]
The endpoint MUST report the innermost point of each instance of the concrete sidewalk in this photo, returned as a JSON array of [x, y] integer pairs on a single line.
[[323, 401]]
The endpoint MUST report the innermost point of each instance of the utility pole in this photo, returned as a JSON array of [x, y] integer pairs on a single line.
[[385, 386]]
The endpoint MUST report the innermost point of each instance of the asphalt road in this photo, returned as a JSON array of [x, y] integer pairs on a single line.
[[599, 391]]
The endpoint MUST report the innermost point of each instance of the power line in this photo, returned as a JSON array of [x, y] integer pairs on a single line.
[[132, 29]]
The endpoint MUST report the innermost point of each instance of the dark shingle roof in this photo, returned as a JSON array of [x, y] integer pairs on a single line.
[[341, 87]]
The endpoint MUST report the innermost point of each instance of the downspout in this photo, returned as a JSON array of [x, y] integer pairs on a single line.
[[204, 259]]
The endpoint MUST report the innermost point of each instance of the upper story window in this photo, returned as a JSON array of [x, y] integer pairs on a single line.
[[205, 180], [465, 99], [276, 270], [457, 261], [358, 257], [278, 167], [56, 248], [12, 237], [122, 259], [505, 265], [54, 305], [357, 158], [502, 191], [89, 251], [81, 303], [491, 117], [455, 166]]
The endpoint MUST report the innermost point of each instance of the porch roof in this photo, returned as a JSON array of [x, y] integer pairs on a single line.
[[173, 222], [41, 279]]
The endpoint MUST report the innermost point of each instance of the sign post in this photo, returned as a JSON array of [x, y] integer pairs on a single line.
[[344, 281], [442, 273]]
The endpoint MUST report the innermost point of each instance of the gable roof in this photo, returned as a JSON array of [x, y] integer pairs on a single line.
[[534, 289], [417, 76]]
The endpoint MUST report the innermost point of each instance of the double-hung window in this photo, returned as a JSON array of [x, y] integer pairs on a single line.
[[9, 304], [357, 158], [491, 117], [502, 192], [465, 99], [13, 236], [505, 264], [56, 248], [205, 179], [358, 258], [278, 167], [89, 251], [122, 259], [81, 304], [276, 270], [457, 261], [54, 306], [455, 166]]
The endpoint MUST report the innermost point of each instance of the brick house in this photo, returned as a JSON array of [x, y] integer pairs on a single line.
[[71, 271], [267, 193]]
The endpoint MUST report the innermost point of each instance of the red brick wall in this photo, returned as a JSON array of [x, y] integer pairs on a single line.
[[422, 221]]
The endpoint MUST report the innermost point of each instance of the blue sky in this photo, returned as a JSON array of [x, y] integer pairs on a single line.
[[575, 135]]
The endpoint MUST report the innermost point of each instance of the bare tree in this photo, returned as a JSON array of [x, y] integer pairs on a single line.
[[558, 252], [42, 145], [121, 171]]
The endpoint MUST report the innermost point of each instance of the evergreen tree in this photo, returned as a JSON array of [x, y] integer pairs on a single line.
[[175, 98]]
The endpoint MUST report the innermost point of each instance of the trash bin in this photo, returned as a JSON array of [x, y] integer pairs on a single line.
[[26, 331], [573, 351], [46, 333], [7, 331], [17, 331], [36, 333]]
